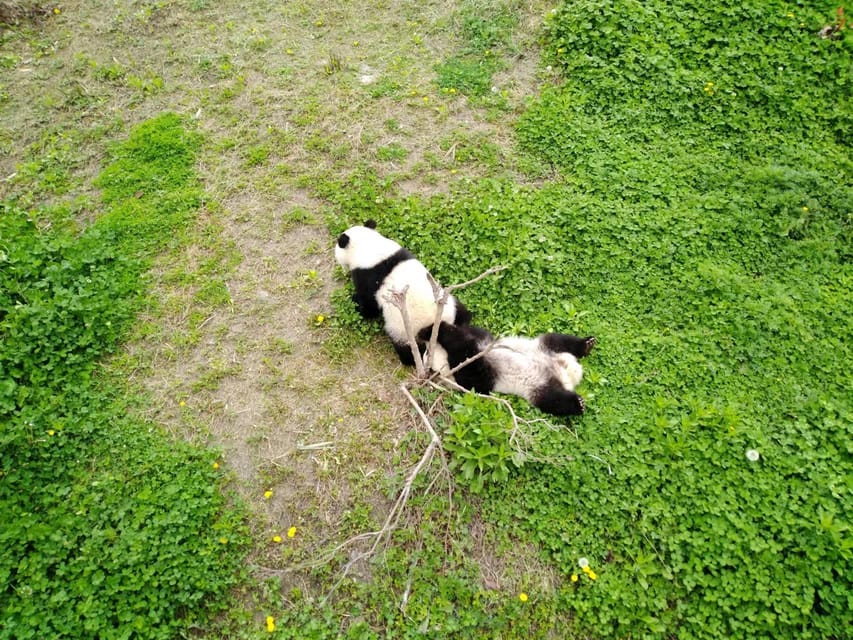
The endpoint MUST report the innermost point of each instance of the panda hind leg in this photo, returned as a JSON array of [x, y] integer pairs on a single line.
[[404, 352], [557, 401], [564, 343]]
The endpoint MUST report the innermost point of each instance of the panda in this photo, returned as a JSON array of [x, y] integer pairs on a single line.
[[379, 266], [542, 370]]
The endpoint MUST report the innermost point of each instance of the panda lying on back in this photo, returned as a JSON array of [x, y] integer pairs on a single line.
[[380, 266], [543, 370]]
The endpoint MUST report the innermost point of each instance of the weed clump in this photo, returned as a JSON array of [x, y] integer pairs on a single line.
[[109, 528]]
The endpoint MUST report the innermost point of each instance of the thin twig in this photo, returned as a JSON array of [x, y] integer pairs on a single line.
[[485, 274], [609, 470], [398, 299], [441, 295], [393, 518]]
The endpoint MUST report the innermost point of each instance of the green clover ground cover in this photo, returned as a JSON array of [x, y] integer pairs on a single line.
[[109, 528], [701, 229]]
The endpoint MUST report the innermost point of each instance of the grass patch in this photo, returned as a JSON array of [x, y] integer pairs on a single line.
[[126, 532], [485, 27]]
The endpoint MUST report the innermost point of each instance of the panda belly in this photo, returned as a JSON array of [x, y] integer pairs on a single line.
[[420, 301], [522, 368], [518, 373]]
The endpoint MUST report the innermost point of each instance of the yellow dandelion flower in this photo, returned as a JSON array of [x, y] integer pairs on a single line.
[[289, 52], [291, 532], [574, 577], [355, 43], [215, 466], [592, 575], [182, 403], [57, 11], [586, 569], [223, 540], [319, 23], [270, 624], [267, 494], [790, 15], [50, 432], [276, 538], [522, 596], [805, 209]]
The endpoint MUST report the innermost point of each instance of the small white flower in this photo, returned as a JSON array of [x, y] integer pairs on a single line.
[[583, 562], [548, 68], [494, 89], [752, 455]]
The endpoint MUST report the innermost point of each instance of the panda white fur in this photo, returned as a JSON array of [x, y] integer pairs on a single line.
[[542, 370], [379, 266]]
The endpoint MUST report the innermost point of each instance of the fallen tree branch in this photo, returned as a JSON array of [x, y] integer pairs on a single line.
[[397, 509], [398, 299], [441, 295]]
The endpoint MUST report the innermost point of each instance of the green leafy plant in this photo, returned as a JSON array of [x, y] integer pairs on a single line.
[[485, 29], [111, 528], [477, 438]]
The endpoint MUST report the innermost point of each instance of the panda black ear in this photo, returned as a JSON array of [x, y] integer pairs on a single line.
[[370, 224], [343, 241]]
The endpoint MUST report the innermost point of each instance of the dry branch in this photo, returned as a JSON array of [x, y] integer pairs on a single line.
[[375, 538], [393, 517], [441, 295], [398, 299]]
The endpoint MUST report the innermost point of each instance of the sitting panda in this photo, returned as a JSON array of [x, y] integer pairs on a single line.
[[542, 370], [379, 266]]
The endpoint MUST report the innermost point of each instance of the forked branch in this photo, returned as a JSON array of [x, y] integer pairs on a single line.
[[441, 295]]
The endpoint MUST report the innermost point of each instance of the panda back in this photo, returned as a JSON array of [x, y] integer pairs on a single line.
[[420, 300]]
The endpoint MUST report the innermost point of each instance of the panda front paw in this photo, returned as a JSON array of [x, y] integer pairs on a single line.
[[588, 344], [581, 405]]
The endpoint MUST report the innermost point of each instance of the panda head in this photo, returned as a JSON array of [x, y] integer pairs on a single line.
[[362, 247]]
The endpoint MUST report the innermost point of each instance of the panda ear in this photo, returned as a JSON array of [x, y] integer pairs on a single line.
[[343, 241], [370, 224]]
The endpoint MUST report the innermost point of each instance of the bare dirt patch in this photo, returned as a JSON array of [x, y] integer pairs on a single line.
[[232, 353]]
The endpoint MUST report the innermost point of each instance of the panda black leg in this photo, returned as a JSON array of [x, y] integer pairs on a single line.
[[564, 343], [463, 315], [559, 402], [404, 352]]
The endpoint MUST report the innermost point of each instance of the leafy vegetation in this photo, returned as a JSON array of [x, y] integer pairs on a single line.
[[485, 27], [682, 192], [701, 229], [110, 528]]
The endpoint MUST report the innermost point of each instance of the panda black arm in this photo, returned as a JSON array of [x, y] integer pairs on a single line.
[[563, 343], [463, 315], [553, 398], [365, 295]]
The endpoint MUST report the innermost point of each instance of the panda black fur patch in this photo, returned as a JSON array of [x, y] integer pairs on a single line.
[[367, 282]]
